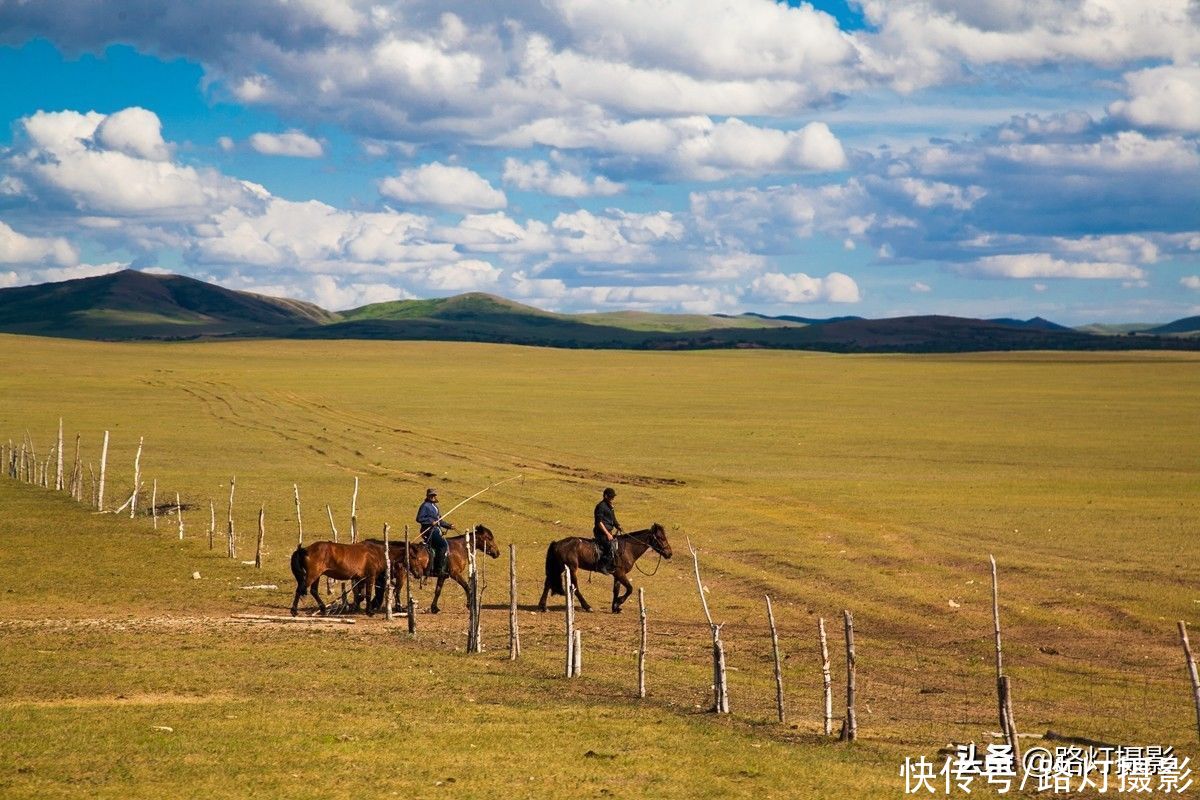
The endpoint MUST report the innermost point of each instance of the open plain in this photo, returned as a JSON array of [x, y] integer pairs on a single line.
[[878, 484]]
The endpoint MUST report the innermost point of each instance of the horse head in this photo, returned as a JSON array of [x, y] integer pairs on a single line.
[[485, 541], [658, 540]]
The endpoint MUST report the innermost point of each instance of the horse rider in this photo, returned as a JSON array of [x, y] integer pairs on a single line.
[[432, 527], [605, 530]]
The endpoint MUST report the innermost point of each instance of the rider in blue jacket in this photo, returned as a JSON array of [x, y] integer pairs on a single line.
[[432, 527]]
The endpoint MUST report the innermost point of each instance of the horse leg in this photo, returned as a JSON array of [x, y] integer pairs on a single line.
[[317, 595], [437, 592], [296, 599], [575, 583], [619, 582], [545, 594]]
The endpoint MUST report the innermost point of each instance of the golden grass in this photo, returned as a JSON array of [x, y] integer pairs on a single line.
[[875, 483]]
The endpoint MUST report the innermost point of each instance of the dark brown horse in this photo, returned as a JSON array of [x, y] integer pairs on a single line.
[[418, 561], [578, 553], [361, 563]]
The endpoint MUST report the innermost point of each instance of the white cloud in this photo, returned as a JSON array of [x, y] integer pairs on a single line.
[[438, 184], [539, 177], [291, 143], [225, 143], [1190, 282], [135, 132], [16, 248], [112, 166], [777, 288], [1162, 97], [920, 287], [29, 277], [1044, 265]]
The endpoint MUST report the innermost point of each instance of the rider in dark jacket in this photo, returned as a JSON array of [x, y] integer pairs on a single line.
[[605, 531], [432, 527]]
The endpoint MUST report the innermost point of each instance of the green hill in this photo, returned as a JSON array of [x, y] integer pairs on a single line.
[[138, 305]]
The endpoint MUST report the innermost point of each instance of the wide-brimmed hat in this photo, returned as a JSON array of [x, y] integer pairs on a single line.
[[430, 493]]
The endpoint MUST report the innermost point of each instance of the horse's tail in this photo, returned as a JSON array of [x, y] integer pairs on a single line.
[[554, 570], [300, 566]]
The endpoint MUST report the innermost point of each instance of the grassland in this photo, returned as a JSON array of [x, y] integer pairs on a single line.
[[874, 483]]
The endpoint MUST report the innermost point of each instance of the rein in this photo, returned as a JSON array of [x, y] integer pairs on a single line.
[[650, 546]]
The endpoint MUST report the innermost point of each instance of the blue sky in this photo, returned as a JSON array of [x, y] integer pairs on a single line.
[[986, 158]]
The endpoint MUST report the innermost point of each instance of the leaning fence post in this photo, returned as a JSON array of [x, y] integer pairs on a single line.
[[179, 515], [1191, 665], [299, 523], [229, 526], [137, 477], [778, 666], [514, 636], [826, 676], [154, 503], [262, 531], [642, 643], [720, 685], [850, 728], [354, 514]]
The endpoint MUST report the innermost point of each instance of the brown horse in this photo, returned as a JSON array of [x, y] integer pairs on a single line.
[[578, 553], [418, 561], [359, 563]]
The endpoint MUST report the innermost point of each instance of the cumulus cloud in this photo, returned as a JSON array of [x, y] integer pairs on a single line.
[[919, 287], [135, 132], [538, 176], [776, 288], [1162, 97], [291, 143], [1190, 282], [16, 248], [450, 187], [1044, 265]]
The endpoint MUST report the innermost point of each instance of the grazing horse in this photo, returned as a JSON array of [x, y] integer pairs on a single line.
[[342, 562], [578, 553], [418, 563]]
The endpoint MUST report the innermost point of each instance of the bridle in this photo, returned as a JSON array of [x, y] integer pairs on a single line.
[[652, 545]]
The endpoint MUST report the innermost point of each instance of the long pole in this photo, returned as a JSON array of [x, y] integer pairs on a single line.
[[999, 652], [103, 463], [642, 643], [137, 477], [828, 679], [514, 636], [387, 565], [569, 610], [262, 533], [354, 514], [154, 503], [179, 515], [299, 523], [850, 732], [409, 608], [229, 522], [472, 497], [778, 665], [58, 478], [1191, 666]]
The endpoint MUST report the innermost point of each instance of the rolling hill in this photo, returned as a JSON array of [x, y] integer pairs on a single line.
[[138, 305]]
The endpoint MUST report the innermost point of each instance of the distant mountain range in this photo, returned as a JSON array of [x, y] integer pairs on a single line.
[[138, 305]]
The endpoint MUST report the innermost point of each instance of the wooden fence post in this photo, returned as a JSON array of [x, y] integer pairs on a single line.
[[212, 523], [299, 524], [103, 463], [262, 533], [409, 608], [720, 684], [154, 503], [850, 727], [179, 515], [1191, 666], [473, 643], [230, 540], [137, 477], [827, 677], [577, 654], [77, 472], [514, 636], [642, 643], [354, 514], [569, 610], [778, 665], [332, 527], [388, 587], [58, 478]]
